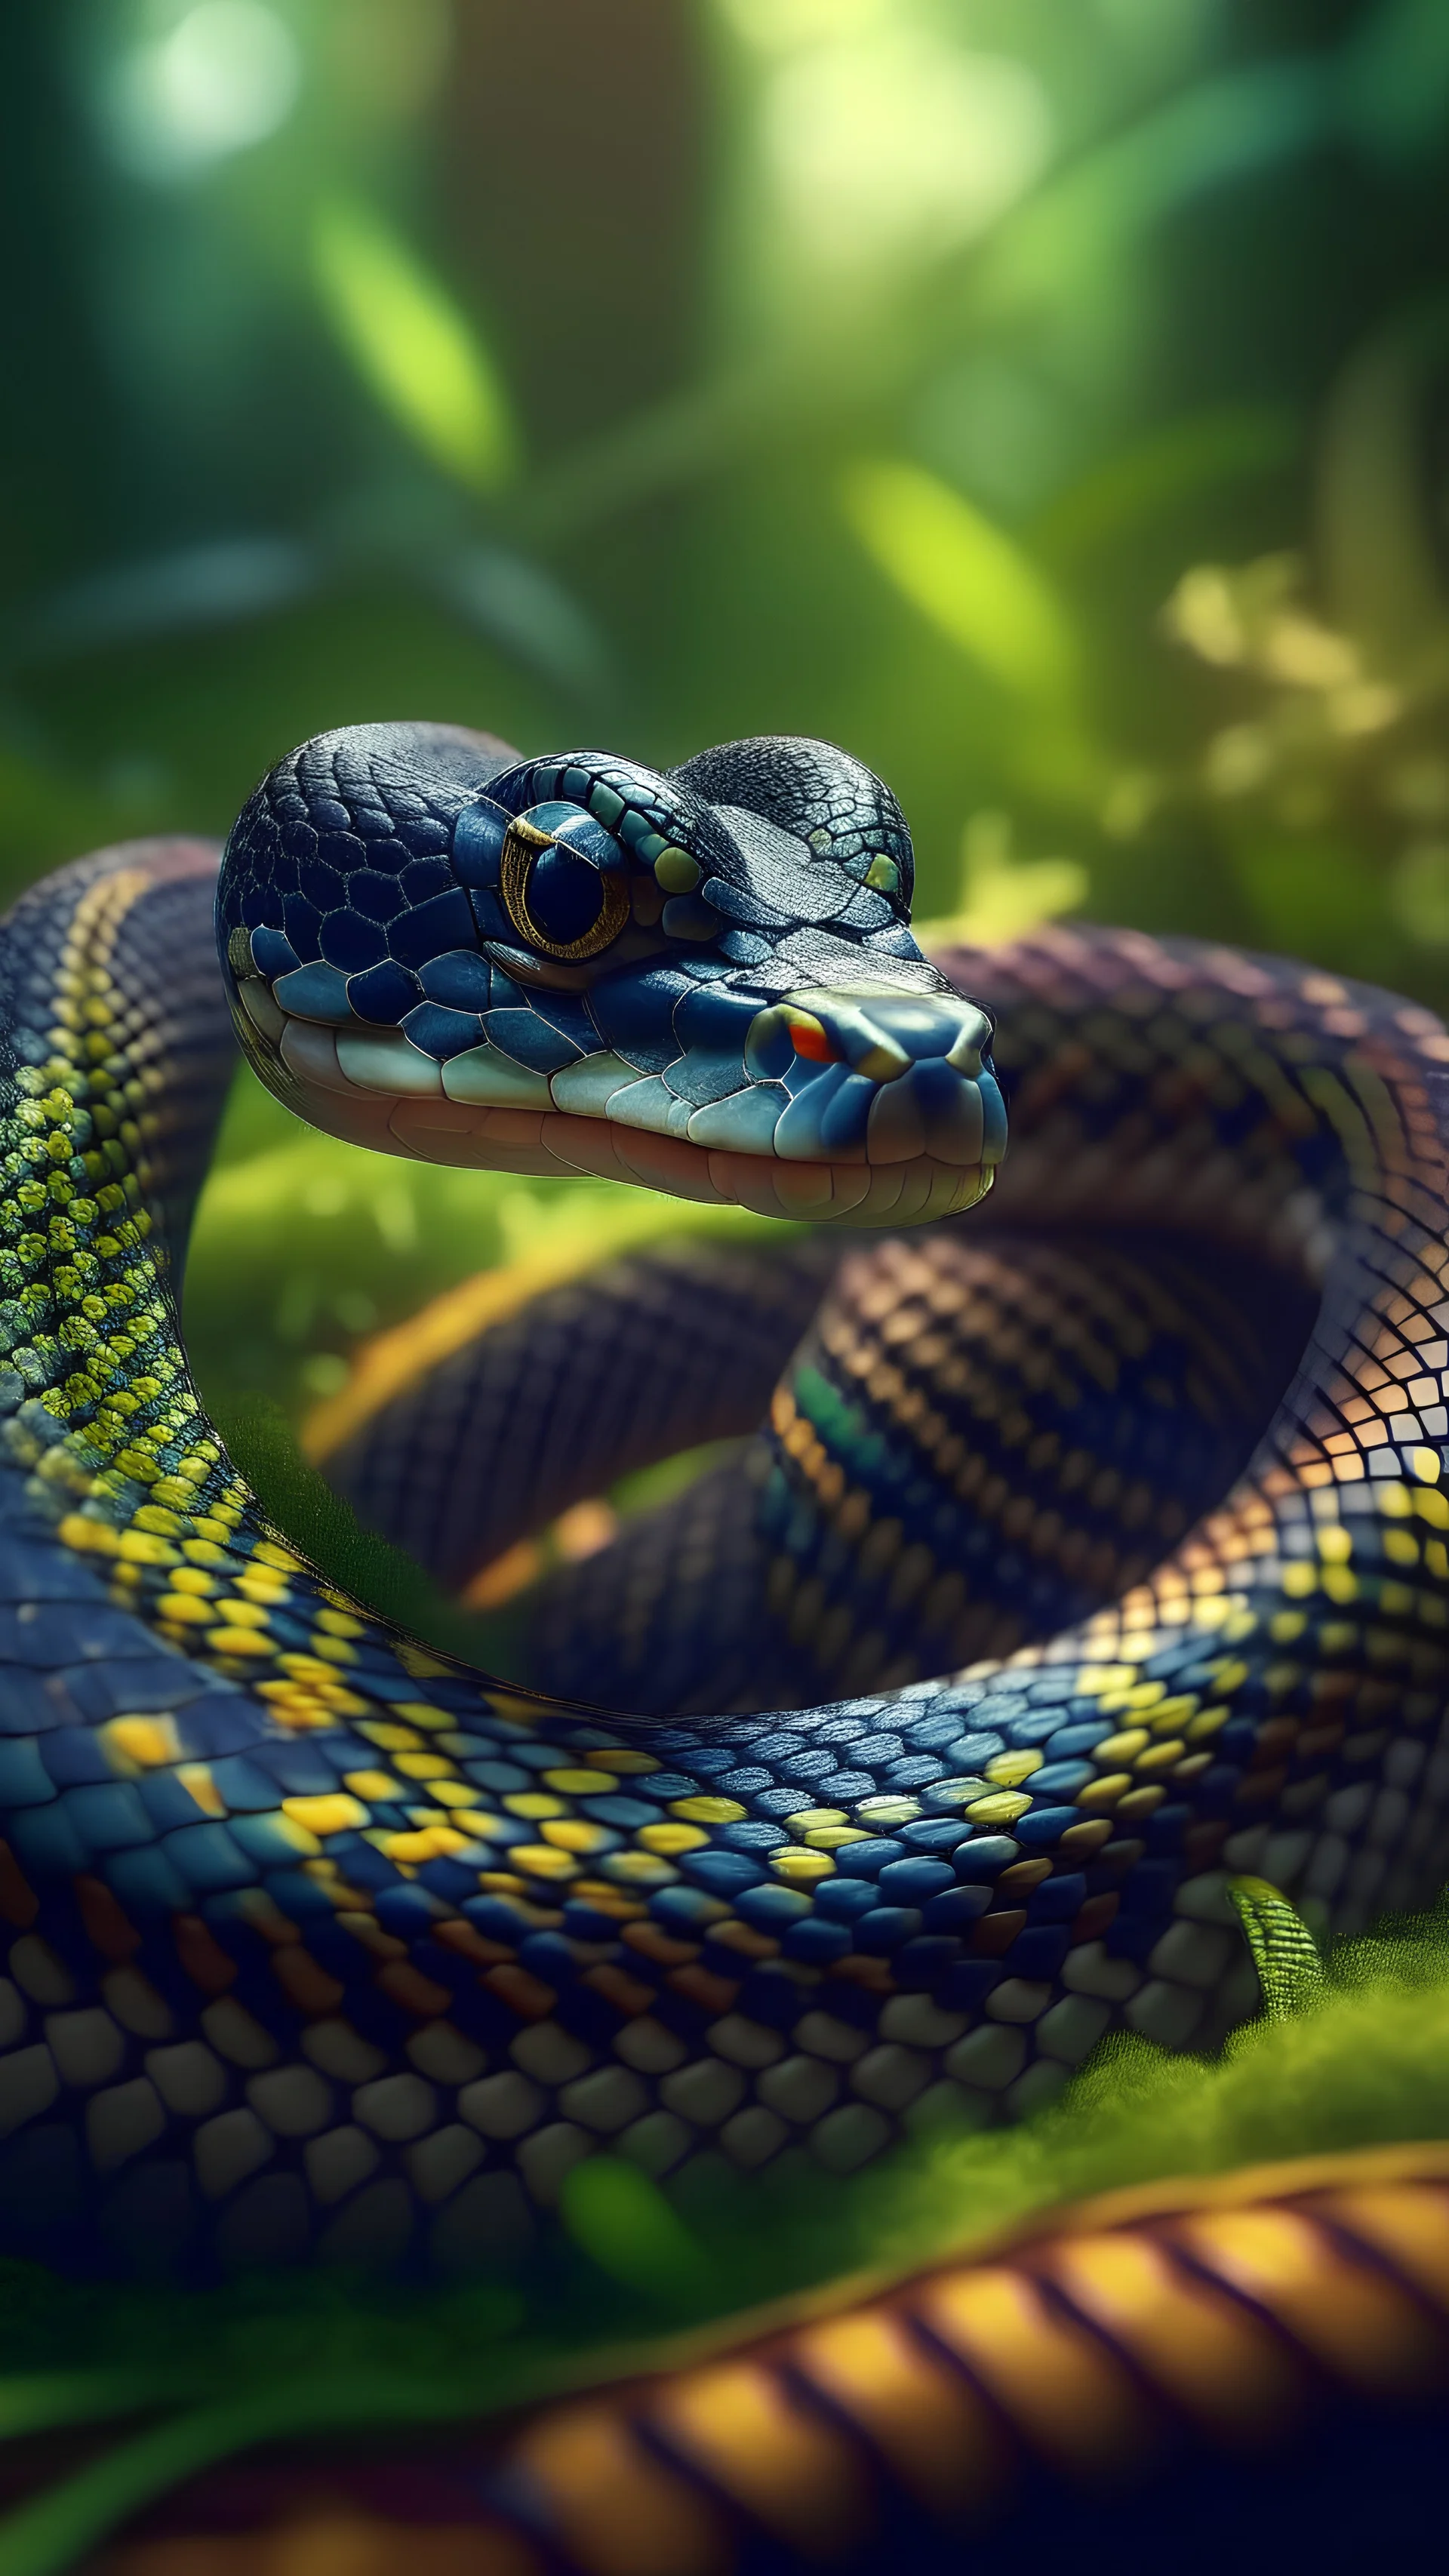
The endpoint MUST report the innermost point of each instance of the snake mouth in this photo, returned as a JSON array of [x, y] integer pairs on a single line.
[[876, 1104]]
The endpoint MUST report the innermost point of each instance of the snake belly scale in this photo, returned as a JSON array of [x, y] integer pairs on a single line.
[[320, 1943]]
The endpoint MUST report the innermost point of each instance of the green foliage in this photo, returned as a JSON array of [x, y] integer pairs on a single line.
[[623, 2223], [968, 577], [1352, 2054], [1105, 294]]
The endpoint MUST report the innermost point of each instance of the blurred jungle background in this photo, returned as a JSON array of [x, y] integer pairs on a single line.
[[1044, 398]]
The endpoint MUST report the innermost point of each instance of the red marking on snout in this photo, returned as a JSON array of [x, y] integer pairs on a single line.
[[814, 1044]]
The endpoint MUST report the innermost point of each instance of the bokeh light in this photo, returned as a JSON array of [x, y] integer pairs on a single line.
[[900, 142], [225, 76]]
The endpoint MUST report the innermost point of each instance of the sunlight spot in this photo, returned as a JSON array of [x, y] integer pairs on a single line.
[[226, 77], [324, 1373], [900, 142], [777, 26]]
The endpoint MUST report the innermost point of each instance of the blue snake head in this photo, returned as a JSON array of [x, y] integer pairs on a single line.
[[702, 981]]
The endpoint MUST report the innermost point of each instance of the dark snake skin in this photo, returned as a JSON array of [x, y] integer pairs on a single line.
[[591, 1381], [319, 1943], [1126, 1377], [1103, 1395]]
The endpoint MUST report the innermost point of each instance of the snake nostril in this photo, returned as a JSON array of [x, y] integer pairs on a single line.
[[970, 1043], [883, 1062]]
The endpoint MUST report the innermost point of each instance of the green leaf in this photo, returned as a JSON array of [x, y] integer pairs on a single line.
[[621, 2218], [1285, 1954], [43, 2400], [47, 2535], [967, 576], [1004, 895], [420, 356]]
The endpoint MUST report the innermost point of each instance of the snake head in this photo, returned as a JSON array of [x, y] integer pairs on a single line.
[[703, 981]]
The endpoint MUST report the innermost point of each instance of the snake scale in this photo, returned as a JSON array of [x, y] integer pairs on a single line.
[[319, 1943], [756, 1587]]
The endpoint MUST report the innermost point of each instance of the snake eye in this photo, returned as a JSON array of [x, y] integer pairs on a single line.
[[563, 883]]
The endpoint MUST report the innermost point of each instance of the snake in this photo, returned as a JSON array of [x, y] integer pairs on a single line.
[[753, 1588], [323, 1946]]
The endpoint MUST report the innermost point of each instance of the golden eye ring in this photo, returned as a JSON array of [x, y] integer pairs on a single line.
[[522, 845]]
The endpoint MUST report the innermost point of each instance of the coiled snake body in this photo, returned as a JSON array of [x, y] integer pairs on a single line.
[[317, 1941]]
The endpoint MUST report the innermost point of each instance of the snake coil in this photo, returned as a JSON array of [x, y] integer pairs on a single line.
[[321, 1944]]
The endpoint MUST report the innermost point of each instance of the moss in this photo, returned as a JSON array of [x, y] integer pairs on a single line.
[[307, 1512], [1364, 2061]]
